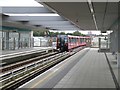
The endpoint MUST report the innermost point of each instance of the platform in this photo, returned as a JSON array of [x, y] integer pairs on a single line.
[[5, 52], [92, 71], [86, 69], [16, 55]]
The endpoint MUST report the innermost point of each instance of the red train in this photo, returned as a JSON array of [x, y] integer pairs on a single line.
[[69, 42]]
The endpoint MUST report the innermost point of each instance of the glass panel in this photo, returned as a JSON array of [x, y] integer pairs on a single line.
[[104, 42], [4, 40], [13, 40], [24, 40], [95, 42], [0, 40]]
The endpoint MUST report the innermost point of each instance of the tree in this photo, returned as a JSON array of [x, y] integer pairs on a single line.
[[77, 33], [62, 33], [38, 33], [54, 34], [69, 34]]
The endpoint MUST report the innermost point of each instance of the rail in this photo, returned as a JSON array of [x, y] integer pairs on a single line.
[[13, 58], [15, 78], [11, 77], [21, 63]]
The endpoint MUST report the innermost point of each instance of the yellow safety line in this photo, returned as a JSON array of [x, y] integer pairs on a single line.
[[46, 77], [42, 80]]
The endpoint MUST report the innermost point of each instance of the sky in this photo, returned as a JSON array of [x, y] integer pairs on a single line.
[[34, 3], [83, 32], [19, 3]]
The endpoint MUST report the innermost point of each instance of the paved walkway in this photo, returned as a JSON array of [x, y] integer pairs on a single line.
[[92, 71]]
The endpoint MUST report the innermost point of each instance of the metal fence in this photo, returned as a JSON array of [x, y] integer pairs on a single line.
[[42, 41], [15, 43]]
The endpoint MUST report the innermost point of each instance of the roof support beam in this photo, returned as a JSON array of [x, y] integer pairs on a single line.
[[25, 10], [34, 18], [65, 28], [50, 22], [61, 26]]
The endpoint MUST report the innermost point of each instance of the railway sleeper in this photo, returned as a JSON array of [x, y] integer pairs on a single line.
[[34, 65], [37, 68], [30, 72], [12, 66]]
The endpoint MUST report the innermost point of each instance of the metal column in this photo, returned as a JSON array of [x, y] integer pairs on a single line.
[[113, 41], [118, 38], [118, 50], [7, 40], [99, 43], [0, 40]]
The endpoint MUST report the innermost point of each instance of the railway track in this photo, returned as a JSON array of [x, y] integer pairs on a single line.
[[22, 56], [7, 68], [14, 77]]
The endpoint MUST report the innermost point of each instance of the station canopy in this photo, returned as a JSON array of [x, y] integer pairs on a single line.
[[65, 15], [35, 18]]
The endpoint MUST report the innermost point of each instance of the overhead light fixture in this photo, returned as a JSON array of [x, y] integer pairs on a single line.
[[90, 5], [37, 14], [89, 1], [92, 12]]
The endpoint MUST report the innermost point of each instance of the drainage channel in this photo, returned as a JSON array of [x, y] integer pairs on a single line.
[[113, 75]]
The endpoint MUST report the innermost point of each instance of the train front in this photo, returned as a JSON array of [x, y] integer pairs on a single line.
[[62, 43]]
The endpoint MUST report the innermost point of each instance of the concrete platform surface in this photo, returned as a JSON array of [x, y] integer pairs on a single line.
[[86, 69], [92, 71]]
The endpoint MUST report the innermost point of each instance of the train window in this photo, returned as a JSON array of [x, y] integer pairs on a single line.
[[74, 40], [81, 40], [84, 40], [70, 40], [66, 40]]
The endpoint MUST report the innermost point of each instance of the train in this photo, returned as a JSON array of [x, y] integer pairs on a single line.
[[69, 42]]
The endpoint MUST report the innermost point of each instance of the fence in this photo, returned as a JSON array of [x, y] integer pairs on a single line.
[[42, 41], [15, 43]]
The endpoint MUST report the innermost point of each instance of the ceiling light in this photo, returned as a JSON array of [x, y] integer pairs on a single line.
[[89, 1], [92, 11], [43, 14]]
